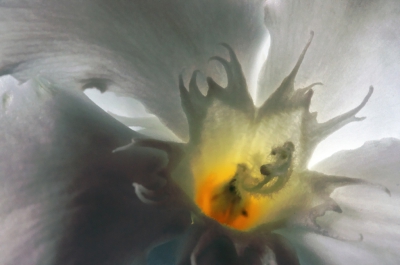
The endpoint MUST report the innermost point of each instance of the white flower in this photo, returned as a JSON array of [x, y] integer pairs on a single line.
[[68, 168]]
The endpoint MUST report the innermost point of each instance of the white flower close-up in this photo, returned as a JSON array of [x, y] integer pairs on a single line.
[[196, 132]]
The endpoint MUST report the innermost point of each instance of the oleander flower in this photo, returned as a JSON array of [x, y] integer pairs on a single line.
[[223, 165]]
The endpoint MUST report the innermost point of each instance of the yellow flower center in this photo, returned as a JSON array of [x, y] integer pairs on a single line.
[[228, 167], [249, 163]]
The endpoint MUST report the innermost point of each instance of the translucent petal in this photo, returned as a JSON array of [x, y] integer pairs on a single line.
[[136, 48], [375, 216], [374, 161], [131, 113], [355, 46], [65, 197]]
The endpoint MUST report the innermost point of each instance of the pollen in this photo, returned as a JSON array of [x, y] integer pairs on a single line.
[[218, 197]]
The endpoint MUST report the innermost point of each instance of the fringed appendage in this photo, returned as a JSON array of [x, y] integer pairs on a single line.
[[289, 130]]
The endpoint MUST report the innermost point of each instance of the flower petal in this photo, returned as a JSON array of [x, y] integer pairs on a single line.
[[355, 46], [376, 161], [375, 217], [135, 48], [366, 210], [66, 198]]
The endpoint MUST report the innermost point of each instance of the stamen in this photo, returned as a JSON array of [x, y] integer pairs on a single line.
[[280, 170], [284, 115]]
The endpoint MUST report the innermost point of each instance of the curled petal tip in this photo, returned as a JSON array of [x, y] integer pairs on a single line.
[[312, 85], [123, 148], [193, 82], [370, 91], [310, 40], [195, 73], [308, 96], [227, 46], [388, 192], [232, 54], [359, 118], [212, 85], [337, 209], [141, 193], [223, 61]]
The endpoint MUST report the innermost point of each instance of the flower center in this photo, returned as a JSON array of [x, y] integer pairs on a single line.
[[249, 163], [229, 194]]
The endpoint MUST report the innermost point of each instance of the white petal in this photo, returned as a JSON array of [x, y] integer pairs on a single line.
[[374, 216], [366, 210], [132, 113], [375, 161], [137, 48], [64, 196], [355, 46]]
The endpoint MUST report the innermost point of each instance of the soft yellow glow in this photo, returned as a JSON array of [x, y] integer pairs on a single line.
[[211, 185], [230, 138], [259, 209]]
